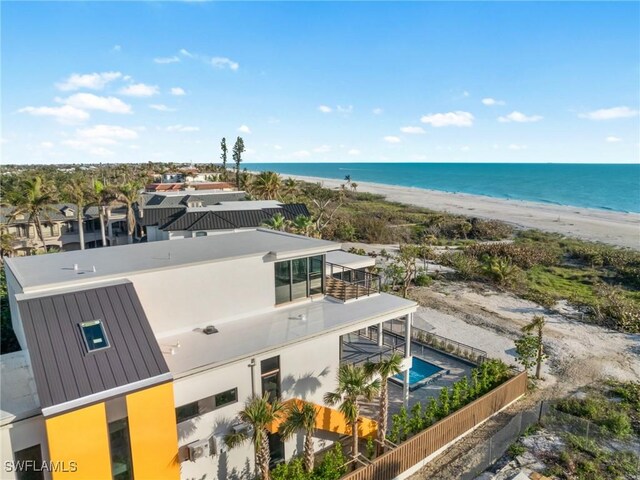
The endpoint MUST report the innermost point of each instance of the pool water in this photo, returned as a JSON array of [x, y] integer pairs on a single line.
[[419, 371]]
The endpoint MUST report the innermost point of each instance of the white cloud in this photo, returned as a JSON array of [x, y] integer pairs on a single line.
[[65, 114], [322, 149], [89, 101], [456, 119], [412, 130], [490, 102], [610, 113], [377, 111], [107, 134], [161, 107], [347, 110], [116, 48], [244, 129], [301, 154], [140, 90], [354, 152], [186, 53], [515, 146], [224, 62], [47, 144], [465, 94], [165, 60], [92, 81], [392, 139], [613, 139], [325, 109], [101, 152], [178, 92], [519, 117], [277, 147], [181, 128]]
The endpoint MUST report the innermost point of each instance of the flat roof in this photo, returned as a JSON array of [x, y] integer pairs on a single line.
[[261, 333], [57, 270], [18, 393], [351, 260], [184, 193]]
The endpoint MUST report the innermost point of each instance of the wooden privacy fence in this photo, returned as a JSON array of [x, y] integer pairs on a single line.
[[417, 448]]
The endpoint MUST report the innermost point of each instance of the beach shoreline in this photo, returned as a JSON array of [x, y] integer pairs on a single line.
[[610, 227]]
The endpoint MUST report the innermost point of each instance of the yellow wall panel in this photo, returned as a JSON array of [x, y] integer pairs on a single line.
[[80, 436], [153, 433]]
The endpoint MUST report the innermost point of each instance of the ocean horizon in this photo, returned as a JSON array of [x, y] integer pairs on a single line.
[[614, 187]]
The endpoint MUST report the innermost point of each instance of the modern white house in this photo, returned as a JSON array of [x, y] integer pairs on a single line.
[[137, 359]]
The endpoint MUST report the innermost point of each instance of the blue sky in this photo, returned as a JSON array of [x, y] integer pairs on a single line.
[[312, 82]]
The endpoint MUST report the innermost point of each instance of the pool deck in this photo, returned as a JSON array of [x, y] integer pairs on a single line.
[[357, 349]]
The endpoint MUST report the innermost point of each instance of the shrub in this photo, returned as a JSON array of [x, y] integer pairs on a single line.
[[372, 230], [332, 466], [489, 229], [466, 267], [516, 449], [294, 470], [423, 280], [520, 254]]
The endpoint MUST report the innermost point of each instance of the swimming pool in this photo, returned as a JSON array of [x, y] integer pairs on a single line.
[[421, 373]]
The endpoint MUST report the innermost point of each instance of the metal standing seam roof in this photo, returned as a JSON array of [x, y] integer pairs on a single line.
[[64, 372]]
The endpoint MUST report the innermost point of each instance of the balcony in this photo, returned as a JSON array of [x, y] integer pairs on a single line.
[[344, 283]]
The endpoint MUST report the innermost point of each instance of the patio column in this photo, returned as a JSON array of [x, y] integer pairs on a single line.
[[407, 353], [380, 334]]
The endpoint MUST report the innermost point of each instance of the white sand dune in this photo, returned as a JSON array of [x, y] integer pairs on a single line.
[[615, 228]]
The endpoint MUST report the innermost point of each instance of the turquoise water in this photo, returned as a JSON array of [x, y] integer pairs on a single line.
[[608, 187], [419, 371]]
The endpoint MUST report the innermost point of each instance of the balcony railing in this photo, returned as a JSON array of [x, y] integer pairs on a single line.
[[346, 283]]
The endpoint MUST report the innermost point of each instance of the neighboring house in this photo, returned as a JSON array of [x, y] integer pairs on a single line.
[[137, 360], [175, 216], [188, 186], [61, 230]]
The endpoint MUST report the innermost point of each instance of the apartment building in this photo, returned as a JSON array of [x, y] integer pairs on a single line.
[[137, 359], [61, 228]]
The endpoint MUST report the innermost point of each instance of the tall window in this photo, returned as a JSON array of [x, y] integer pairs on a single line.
[[33, 471], [270, 373], [299, 278], [119, 442]]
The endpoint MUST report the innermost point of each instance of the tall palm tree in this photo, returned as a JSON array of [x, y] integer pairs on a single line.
[[33, 199], [301, 416], [128, 194], [268, 185], [354, 386], [77, 191], [258, 413], [537, 325], [290, 188], [277, 222], [303, 225], [386, 368], [103, 197]]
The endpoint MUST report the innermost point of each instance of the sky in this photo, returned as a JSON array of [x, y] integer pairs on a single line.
[[322, 81]]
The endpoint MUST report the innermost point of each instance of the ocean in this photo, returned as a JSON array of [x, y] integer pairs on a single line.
[[607, 187]]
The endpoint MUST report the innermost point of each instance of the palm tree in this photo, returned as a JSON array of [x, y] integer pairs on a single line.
[[354, 386], [354, 187], [303, 225], [258, 413], [6, 241], [347, 178], [76, 191], [290, 188], [33, 199], [268, 185], [277, 222], [238, 150], [128, 194], [103, 197], [301, 417], [537, 324], [386, 368]]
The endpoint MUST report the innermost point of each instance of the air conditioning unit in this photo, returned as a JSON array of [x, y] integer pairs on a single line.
[[201, 448], [242, 427]]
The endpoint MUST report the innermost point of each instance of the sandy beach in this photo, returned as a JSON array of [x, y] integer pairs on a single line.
[[615, 228]]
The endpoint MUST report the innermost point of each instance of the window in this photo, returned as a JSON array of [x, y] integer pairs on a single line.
[[206, 405], [299, 278], [201, 234], [32, 470], [270, 376], [276, 449], [94, 336], [120, 450]]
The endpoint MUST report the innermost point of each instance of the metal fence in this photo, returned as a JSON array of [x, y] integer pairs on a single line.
[[424, 444]]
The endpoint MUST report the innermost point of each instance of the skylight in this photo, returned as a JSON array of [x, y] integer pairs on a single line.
[[94, 336]]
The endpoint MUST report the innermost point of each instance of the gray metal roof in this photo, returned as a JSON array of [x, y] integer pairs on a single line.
[[36, 272], [63, 369], [56, 214]]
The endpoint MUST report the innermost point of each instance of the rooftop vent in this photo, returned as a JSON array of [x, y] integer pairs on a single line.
[[209, 330]]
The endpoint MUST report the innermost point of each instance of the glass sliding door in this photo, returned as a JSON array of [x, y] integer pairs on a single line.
[[120, 450], [316, 274], [299, 278], [283, 282]]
